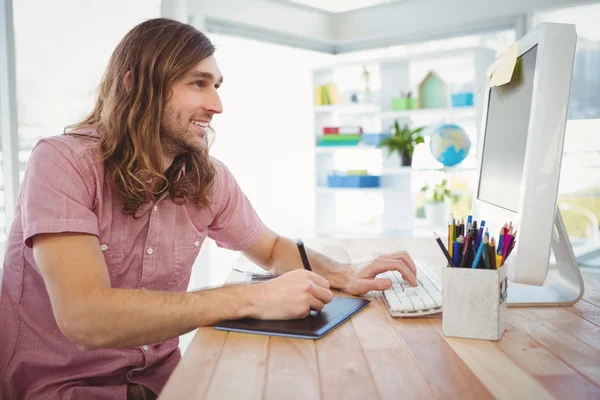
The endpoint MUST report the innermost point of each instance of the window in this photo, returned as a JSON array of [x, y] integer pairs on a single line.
[[56, 85]]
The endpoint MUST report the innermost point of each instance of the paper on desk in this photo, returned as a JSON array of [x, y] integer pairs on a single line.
[[501, 71]]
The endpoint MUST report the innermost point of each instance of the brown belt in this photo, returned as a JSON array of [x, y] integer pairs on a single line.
[[139, 392]]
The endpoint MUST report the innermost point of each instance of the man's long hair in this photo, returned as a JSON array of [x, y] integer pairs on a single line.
[[157, 52]]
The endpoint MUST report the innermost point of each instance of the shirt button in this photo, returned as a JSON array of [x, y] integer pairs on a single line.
[[150, 251], [145, 348], [104, 247], [196, 243], [155, 208]]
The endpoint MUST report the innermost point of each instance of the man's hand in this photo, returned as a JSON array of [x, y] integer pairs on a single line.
[[290, 296], [363, 277]]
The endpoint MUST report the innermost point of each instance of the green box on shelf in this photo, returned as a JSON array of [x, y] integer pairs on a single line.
[[340, 138], [404, 103], [339, 143]]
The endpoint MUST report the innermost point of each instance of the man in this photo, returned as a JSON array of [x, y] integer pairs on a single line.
[[110, 219]]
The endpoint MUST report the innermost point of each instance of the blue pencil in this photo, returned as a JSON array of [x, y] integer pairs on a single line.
[[478, 256]]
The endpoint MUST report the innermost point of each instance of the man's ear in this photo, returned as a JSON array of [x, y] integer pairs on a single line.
[[128, 81]]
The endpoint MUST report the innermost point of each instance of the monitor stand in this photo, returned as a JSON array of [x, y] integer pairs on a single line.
[[563, 288]]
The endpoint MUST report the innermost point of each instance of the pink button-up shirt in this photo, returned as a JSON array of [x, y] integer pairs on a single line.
[[66, 189]]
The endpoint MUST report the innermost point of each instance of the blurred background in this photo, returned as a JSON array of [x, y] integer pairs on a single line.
[[312, 88]]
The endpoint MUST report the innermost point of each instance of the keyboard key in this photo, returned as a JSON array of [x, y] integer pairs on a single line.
[[417, 303], [404, 305], [428, 300], [437, 297], [430, 289], [393, 301]]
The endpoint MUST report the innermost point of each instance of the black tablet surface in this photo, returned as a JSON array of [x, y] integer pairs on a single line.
[[314, 326]]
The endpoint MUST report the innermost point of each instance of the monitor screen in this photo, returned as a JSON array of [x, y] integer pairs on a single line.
[[503, 155]]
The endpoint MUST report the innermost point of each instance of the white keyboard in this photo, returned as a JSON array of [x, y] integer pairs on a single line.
[[406, 301]]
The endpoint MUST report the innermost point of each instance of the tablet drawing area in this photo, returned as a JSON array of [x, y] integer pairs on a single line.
[[314, 326]]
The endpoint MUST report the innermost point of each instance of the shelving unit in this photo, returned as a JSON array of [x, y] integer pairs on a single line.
[[395, 196]]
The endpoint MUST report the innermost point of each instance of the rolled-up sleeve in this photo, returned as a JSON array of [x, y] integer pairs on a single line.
[[236, 226], [58, 193]]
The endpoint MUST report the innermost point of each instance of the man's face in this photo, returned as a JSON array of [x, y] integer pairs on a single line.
[[192, 102]]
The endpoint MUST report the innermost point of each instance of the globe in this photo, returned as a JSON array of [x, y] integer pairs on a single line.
[[449, 144]]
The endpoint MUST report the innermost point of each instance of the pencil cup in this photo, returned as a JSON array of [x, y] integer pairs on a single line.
[[474, 302]]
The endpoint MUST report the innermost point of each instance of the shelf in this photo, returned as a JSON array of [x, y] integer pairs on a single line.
[[372, 110], [348, 109], [408, 170], [325, 189], [332, 149], [457, 112]]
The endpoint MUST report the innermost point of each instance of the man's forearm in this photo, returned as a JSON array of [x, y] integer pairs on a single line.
[[132, 317], [286, 258]]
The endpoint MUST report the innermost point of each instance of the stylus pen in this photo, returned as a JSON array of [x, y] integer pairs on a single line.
[[303, 255]]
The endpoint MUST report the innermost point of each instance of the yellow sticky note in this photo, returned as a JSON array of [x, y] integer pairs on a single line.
[[501, 71]]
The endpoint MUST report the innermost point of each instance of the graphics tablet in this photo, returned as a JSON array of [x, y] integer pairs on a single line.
[[314, 326]]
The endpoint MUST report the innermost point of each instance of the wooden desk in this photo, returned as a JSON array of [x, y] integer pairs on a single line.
[[549, 352]]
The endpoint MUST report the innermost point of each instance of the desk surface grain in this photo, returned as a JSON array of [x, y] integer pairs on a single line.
[[549, 352]]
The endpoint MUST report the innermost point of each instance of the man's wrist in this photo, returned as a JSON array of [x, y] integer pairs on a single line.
[[236, 302], [248, 307], [339, 276]]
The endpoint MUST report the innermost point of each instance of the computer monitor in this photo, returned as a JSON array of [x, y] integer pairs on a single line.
[[520, 153]]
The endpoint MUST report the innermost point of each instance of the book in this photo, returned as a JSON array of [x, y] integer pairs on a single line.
[[342, 130], [327, 94]]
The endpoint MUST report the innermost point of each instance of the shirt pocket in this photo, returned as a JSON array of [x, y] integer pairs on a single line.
[[185, 252], [113, 253]]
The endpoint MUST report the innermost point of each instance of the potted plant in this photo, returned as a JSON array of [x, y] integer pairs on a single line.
[[437, 203], [404, 102], [403, 140]]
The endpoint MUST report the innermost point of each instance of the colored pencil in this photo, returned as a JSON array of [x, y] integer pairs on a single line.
[[506, 244], [486, 252], [478, 256], [500, 240], [450, 239], [493, 253], [498, 260], [465, 252]]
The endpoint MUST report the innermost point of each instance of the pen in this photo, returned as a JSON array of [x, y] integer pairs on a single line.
[[437, 239], [456, 252], [303, 255]]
